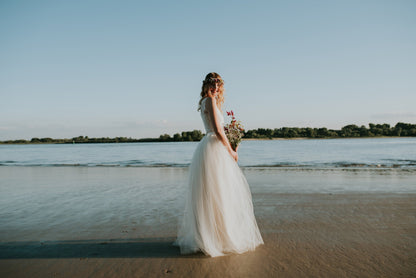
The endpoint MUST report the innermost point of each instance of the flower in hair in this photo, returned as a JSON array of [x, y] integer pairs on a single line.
[[214, 80]]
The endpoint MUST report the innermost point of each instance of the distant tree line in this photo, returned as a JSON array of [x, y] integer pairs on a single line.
[[195, 135], [349, 131], [374, 130]]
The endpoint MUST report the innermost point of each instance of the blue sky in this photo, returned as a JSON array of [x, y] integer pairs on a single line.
[[135, 68]]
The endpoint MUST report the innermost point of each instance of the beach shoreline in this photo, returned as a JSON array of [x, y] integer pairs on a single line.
[[121, 222], [306, 235]]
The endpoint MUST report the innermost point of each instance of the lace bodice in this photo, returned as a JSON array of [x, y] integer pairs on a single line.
[[209, 126]]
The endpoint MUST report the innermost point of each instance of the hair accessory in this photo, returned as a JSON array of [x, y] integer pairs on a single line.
[[214, 80]]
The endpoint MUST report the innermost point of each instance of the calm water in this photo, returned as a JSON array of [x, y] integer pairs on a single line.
[[330, 153]]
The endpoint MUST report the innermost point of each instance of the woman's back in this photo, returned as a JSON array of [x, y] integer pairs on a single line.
[[208, 124]]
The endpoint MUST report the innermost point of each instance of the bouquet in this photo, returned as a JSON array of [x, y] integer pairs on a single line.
[[234, 131]]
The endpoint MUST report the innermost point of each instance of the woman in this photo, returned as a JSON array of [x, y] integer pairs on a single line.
[[219, 217]]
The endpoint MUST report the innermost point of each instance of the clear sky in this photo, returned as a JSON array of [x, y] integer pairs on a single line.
[[135, 68]]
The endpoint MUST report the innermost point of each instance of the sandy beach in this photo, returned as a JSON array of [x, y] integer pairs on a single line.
[[344, 234]]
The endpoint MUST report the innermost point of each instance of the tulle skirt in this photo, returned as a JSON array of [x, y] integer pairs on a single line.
[[218, 217]]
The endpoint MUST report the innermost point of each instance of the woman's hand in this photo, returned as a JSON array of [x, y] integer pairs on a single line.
[[234, 155]]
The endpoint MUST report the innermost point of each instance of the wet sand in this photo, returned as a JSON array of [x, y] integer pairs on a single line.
[[306, 235], [314, 234]]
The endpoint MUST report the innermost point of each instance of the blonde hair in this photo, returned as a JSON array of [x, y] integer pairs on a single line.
[[210, 80]]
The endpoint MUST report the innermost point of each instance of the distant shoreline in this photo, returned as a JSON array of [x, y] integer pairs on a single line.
[[244, 139], [284, 133], [324, 138]]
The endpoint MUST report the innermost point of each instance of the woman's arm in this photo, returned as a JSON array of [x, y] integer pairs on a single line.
[[218, 129]]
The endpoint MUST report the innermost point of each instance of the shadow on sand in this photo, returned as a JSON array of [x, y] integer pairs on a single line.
[[99, 248]]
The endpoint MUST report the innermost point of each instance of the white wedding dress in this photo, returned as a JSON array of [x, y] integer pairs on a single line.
[[219, 217]]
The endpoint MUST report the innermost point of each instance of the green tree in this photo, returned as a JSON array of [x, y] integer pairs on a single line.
[[177, 137], [196, 135], [164, 138]]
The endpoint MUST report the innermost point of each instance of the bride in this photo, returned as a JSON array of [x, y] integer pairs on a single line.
[[219, 217]]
